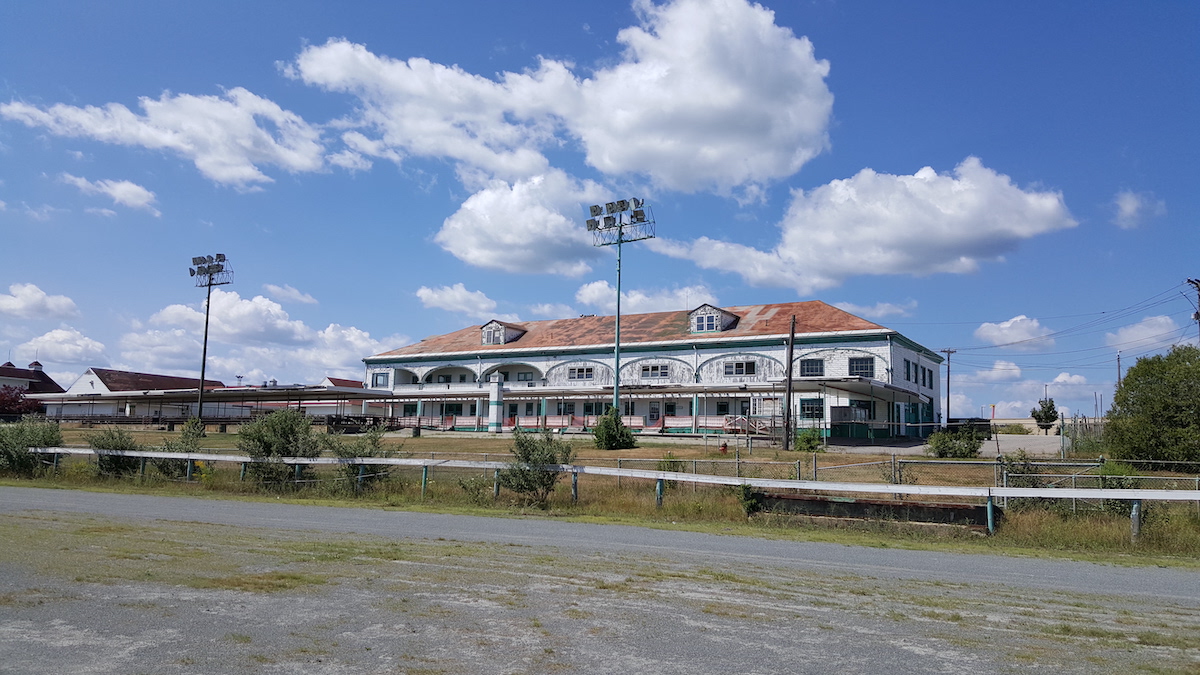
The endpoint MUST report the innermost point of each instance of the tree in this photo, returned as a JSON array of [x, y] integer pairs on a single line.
[[611, 433], [1045, 415], [13, 402], [119, 440], [528, 475], [963, 442], [1156, 408], [16, 439], [283, 433]]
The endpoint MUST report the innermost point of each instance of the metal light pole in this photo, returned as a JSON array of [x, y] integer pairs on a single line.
[[209, 271], [948, 352], [617, 223]]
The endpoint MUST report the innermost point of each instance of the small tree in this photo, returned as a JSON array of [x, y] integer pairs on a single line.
[[808, 440], [1156, 410], [528, 474], [13, 402], [611, 433], [283, 433], [1045, 415], [367, 444], [115, 439]]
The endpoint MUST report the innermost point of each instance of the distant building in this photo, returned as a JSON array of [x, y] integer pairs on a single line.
[[707, 369], [32, 380], [102, 392]]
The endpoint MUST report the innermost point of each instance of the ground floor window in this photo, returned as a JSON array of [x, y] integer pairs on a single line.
[[512, 409], [722, 407], [452, 409], [669, 409], [868, 406], [812, 409], [529, 409], [410, 409], [566, 407], [630, 407]]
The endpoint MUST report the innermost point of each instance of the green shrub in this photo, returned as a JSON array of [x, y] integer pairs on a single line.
[[478, 489], [189, 441], [963, 443], [283, 433], [367, 444], [527, 475], [611, 433], [121, 441], [1118, 476], [16, 439], [808, 440], [1013, 429], [750, 500]]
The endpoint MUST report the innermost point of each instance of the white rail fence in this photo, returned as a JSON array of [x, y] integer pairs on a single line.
[[1133, 495]]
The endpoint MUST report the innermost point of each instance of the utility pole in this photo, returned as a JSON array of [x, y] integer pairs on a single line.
[[948, 352], [1196, 285], [787, 395]]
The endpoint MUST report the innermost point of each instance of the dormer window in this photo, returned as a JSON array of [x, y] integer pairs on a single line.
[[500, 333], [709, 319], [493, 335]]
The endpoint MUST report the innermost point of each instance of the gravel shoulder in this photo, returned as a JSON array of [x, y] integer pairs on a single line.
[[98, 583]]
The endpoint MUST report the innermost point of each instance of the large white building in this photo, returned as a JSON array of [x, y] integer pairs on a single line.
[[707, 369]]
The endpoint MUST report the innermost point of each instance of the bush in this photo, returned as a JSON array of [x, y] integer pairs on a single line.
[[1118, 476], [527, 475], [121, 441], [16, 439], [611, 433], [750, 500], [367, 444], [808, 440], [189, 441], [963, 443], [1013, 429], [284, 433], [1154, 412], [478, 489]]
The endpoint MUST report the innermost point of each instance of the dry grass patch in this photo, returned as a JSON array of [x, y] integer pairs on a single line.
[[266, 582]]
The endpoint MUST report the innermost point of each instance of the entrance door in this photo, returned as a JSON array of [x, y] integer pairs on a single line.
[[654, 412]]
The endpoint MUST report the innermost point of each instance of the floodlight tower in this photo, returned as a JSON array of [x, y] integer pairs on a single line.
[[209, 271], [619, 222]]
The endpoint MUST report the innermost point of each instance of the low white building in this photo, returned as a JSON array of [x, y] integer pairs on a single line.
[[707, 369]]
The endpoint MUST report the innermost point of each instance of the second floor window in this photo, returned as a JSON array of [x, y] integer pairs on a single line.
[[740, 368], [654, 371], [493, 335], [862, 367], [379, 379], [579, 373], [524, 377], [812, 367]]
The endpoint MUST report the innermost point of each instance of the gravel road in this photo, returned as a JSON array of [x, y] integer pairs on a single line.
[[104, 583]]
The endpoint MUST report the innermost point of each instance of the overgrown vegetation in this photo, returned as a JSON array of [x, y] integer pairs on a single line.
[[284, 433], [115, 438], [1013, 429], [961, 443], [16, 439], [527, 475], [188, 441], [670, 462], [369, 443], [808, 440], [611, 433], [1156, 409]]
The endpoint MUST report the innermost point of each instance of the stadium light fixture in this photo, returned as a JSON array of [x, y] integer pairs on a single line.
[[209, 271]]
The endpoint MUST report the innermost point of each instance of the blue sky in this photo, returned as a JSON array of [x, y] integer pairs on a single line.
[[1012, 180]]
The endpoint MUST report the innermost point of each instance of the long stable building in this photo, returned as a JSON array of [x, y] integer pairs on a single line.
[[708, 369]]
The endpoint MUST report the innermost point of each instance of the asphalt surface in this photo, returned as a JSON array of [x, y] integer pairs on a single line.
[[473, 594]]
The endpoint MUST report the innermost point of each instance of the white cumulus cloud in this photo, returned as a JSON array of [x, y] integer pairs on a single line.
[[602, 296], [522, 227], [227, 137], [550, 310], [234, 319], [1020, 333], [1151, 332], [456, 298], [64, 345], [27, 301], [121, 192], [1001, 371], [1133, 208], [876, 223]]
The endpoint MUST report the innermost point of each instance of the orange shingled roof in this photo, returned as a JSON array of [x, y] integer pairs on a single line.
[[812, 316]]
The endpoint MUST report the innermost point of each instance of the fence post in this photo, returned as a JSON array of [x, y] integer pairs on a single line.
[[658, 493], [895, 474], [1135, 520], [618, 469], [296, 474], [191, 466], [424, 479], [142, 468], [991, 515], [242, 474], [56, 469], [496, 484], [798, 470], [737, 462], [574, 487], [361, 468], [814, 466]]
